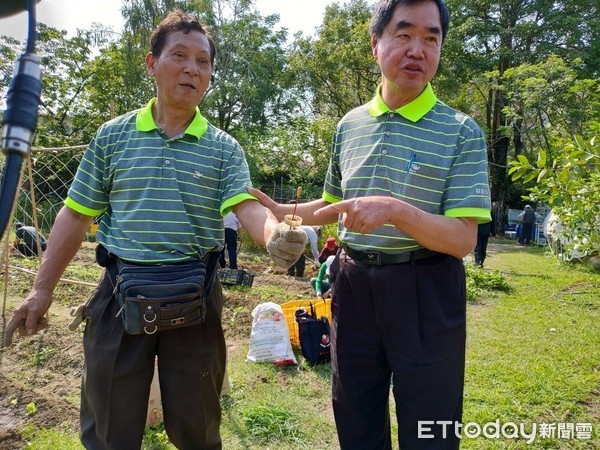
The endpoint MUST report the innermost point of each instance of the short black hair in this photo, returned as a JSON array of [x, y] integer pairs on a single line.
[[179, 21], [385, 10]]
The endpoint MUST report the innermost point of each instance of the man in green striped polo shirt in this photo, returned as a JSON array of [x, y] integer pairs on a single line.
[[160, 178], [408, 183]]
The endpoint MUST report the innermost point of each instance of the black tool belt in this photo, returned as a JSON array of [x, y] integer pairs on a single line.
[[376, 258], [159, 297]]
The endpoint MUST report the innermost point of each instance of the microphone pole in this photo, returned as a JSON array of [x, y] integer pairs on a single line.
[[20, 119]]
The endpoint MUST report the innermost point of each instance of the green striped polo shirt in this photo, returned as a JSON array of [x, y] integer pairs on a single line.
[[160, 199], [425, 153]]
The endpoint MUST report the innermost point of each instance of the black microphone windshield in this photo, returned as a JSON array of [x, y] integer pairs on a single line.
[[10, 7]]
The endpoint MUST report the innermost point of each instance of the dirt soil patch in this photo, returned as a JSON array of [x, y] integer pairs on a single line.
[[44, 371]]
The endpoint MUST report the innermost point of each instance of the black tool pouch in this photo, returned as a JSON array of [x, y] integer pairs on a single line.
[[159, 298]]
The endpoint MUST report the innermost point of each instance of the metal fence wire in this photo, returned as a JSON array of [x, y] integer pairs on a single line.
[[45, 183], [50, 172]]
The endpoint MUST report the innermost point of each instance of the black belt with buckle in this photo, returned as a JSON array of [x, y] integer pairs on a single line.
[[375, 258]]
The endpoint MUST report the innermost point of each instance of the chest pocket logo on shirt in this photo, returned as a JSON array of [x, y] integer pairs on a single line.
[[203, 177], [414, 168]]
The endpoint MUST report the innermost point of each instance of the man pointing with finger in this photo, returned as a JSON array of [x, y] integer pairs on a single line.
[[408, 183]]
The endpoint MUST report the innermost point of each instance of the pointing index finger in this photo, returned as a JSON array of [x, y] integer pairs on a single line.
[[334, 208]]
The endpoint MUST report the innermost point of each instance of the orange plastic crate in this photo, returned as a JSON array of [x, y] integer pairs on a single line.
[[322, 308]]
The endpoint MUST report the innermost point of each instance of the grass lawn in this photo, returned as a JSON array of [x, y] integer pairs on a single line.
[[533, 354], [533, 357]]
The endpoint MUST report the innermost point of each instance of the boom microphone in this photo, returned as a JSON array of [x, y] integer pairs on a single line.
[[23, 96], [20, 118], [10, 7]]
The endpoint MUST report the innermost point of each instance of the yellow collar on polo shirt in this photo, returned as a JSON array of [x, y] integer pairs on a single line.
[[412, 111], [145, 122]]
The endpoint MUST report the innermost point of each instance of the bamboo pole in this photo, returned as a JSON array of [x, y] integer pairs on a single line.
[[64, 280]]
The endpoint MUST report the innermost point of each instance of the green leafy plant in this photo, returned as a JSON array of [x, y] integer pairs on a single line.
[[234, 316], [569, 183], [480, 280], [156, 438], [39, 357], [59, 438], [30, 408], [491, 280], [268, 423]]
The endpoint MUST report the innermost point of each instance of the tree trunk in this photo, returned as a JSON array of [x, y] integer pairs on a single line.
[[498, 155], [499, 184]]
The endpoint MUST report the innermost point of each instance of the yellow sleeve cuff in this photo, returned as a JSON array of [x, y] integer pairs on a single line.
[[228, 205], [83, 209], [330, 198], [481, 214]]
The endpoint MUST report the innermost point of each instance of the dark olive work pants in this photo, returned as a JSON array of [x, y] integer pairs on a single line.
[[401, 325], [118, 370]]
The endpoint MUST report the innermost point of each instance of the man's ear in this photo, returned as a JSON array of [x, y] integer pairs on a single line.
[[374, 41], [150, 63]]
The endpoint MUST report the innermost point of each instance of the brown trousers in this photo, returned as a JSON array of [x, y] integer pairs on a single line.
[[118, 370]]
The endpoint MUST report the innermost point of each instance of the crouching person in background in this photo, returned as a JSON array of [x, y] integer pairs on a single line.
[[28, 240]]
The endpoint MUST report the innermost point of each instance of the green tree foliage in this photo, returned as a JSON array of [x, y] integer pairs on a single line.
[[297, 153], [489, 37], [9, 49], [119, 82], [570, 184], [249, 87], [550, 103], [64, 117], [142, 16], [336, 68], [67, 114]]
